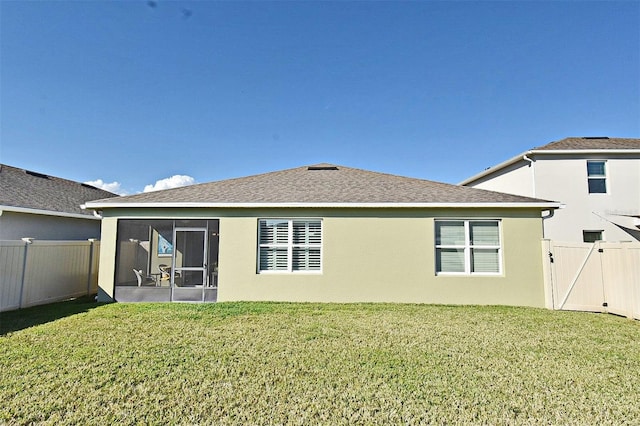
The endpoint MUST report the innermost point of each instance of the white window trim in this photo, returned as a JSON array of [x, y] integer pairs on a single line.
[[289, 245], [601, 231], [605, 176], [468, 247]]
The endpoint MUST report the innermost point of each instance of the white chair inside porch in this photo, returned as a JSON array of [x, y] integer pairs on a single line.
[[144, 279]]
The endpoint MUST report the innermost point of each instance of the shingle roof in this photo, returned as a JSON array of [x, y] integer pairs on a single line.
[[319, 184], [31, 190], [591, 143]]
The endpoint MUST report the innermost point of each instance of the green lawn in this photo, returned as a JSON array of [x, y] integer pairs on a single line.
[[262, 363]]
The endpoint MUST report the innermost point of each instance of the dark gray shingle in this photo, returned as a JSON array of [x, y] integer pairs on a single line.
[[590, 143], [32, 190]]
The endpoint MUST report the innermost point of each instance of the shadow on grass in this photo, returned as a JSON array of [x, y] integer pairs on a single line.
[[24, 318]]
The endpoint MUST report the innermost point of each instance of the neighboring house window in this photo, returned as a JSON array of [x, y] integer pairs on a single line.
[[591, 236], [596, 176], [289, 245], [468, 247]]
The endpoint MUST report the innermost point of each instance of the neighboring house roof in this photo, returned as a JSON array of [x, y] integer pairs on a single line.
[[591, 143], [31, 192], [322, 185], [573, 145]]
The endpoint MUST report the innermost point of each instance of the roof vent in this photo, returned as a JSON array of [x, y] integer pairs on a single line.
[[86, 185], [322, 167], [36, 174], [595, 137]]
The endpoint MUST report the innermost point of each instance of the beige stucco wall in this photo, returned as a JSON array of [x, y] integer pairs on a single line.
[[369, 255], [385, 258]]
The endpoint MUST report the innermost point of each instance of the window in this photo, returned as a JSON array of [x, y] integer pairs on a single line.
[[289, 245], [591, 236], [468, 247], [596, 177]]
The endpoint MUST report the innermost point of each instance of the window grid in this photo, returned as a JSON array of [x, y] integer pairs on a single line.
[[468, 247], [289, 245]]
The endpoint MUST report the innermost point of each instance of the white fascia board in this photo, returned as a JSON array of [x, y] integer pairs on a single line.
[[517, 158], [545, 205], [493, 169], [46, 212]]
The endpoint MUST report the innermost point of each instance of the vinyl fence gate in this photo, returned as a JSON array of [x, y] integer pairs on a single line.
[[596, 277]]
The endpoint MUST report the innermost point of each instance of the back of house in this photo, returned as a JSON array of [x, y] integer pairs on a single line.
[[323, 233]]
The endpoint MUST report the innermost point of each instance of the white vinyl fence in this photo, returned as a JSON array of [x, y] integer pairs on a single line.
[[596, 277], [37, 272]]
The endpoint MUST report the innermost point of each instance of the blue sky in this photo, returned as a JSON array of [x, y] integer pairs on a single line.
[[133, 92]]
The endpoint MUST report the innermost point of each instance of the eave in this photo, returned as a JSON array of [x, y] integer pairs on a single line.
[[545, 205], [535, 152]]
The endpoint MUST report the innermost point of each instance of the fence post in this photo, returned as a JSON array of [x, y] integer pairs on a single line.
[[27, 241], [547, 272], [634, 284], [91, 242], [629, 296]]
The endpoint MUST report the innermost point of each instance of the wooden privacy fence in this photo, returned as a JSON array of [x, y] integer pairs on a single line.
[[596, 277], [38, 272]]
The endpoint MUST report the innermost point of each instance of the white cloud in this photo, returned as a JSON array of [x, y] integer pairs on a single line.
[[111, 187], [172, 182]]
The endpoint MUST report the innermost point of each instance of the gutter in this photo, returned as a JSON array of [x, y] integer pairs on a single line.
[[546, 205], [493, 169], [45, 212]]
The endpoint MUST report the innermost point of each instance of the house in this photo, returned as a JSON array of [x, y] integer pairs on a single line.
[[45, 207], [596, 178], [323, 233]]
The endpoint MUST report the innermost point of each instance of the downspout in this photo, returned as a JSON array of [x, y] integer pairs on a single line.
[[96, 213], [533, 186], [533, 173], [549, 215]]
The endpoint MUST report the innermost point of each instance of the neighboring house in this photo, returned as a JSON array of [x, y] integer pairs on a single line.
[[45, 207], [596, 178], [323, 233]]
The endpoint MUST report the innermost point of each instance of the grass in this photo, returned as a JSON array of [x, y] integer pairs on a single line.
[[272, 363]]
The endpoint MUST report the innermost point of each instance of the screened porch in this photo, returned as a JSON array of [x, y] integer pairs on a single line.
[[162, 260]]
